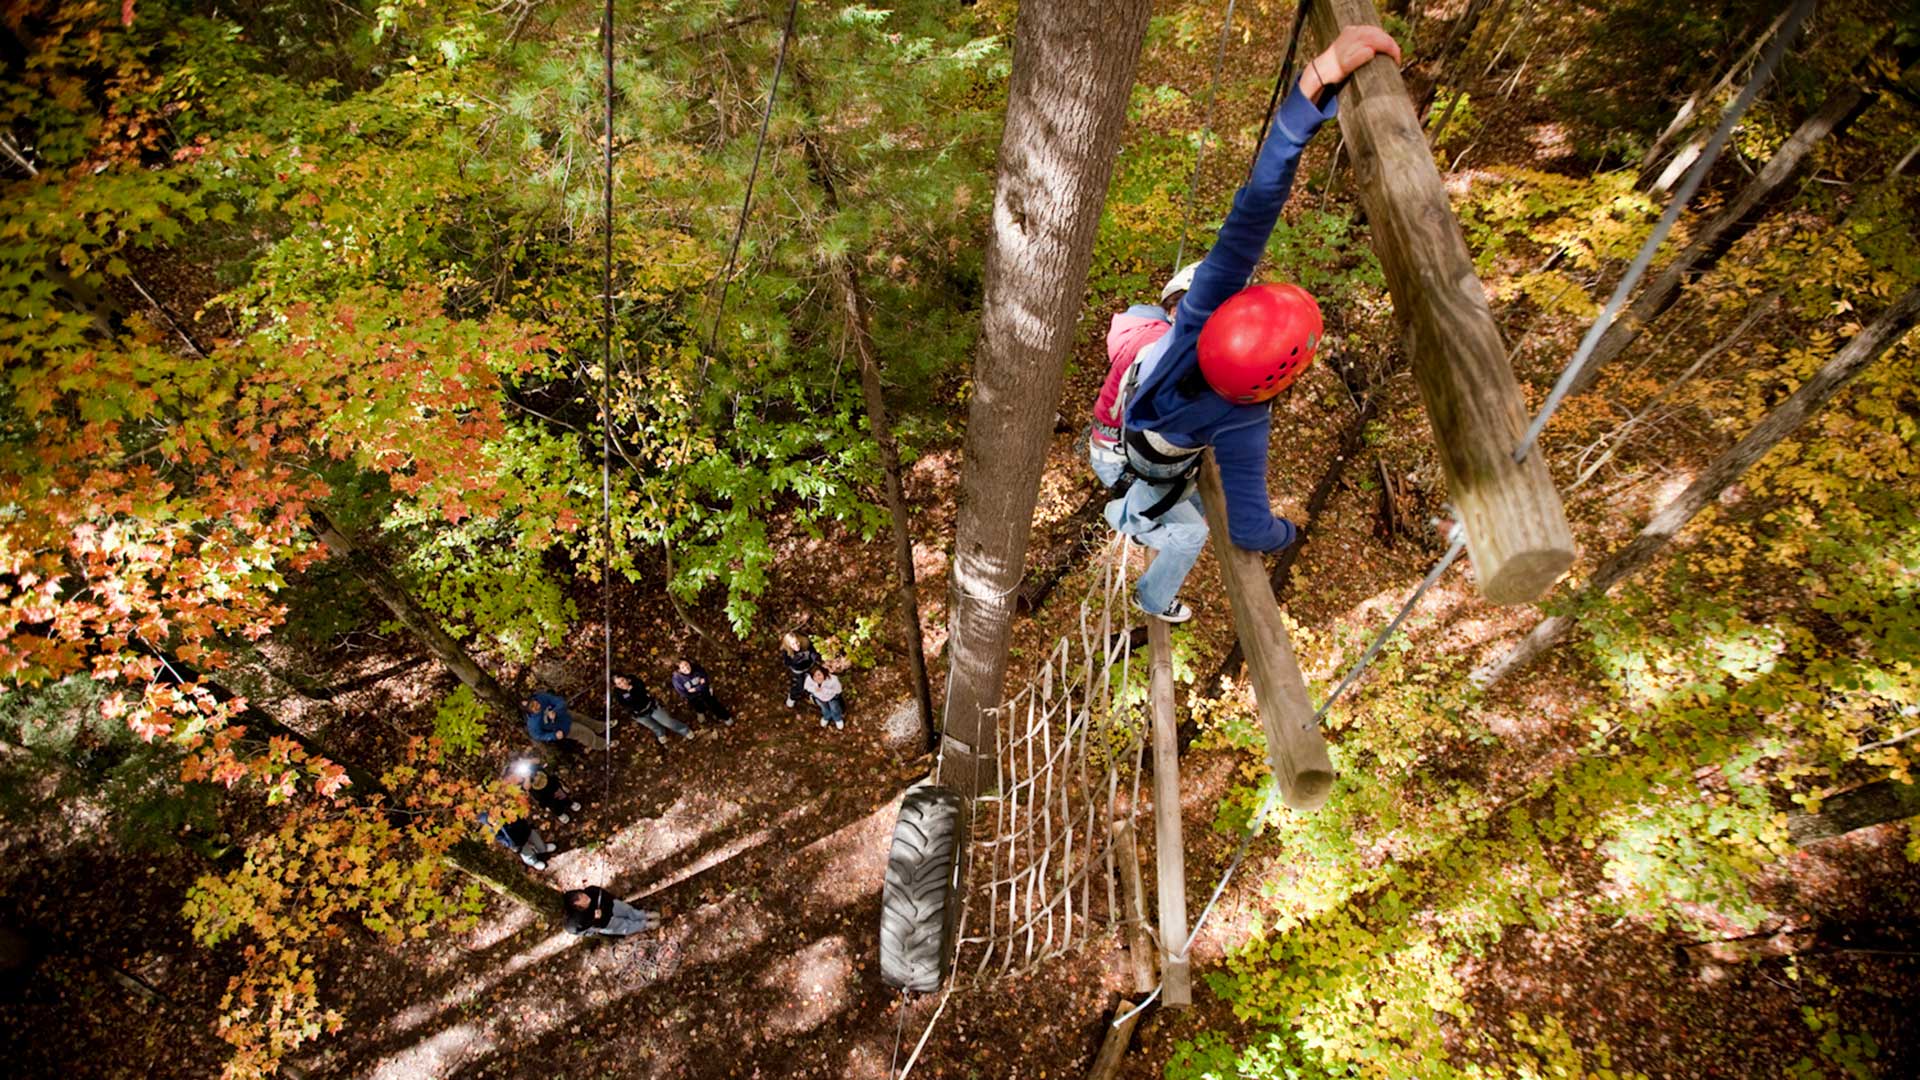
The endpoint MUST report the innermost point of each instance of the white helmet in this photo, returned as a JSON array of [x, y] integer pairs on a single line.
[[1179, 282]]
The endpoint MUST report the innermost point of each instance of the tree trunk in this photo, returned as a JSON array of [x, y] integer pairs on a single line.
[[1706, 95], [1863, 807], [418, 620], [859, 324], [1517, 532], [1073, 67], [1783, 421], [1841, 108], [860, 330]]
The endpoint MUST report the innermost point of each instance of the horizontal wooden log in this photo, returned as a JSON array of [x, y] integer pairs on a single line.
[[1296, 751], [1517, 531]]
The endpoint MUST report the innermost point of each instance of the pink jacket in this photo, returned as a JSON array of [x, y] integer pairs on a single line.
[[1132, 330]]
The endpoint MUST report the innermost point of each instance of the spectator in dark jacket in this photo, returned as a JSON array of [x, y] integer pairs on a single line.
[[594, 910], [690, 682], [799, 657], [521, 838], [633, 695], [549, 721], [544, 788]]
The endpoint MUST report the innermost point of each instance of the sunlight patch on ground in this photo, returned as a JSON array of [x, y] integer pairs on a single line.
[[422, 1013], [851, 863], [816, 979], [488, 934], [436, 1055]]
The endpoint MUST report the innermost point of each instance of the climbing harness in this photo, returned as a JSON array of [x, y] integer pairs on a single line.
[[1681, 197]]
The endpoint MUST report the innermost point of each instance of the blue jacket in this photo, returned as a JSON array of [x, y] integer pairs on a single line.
[[544, 730], [1185, 411]]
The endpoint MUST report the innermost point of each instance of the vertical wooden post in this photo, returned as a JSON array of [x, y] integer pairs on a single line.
[[1517, 530], [1169, 850], [1139, 943], [1296, 751]]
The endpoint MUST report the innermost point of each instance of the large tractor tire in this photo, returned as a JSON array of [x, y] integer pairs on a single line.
[[921, 902]]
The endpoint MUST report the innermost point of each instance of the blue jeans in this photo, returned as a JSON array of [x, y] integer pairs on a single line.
[[659, 721], [834, 711], [1177, 535]]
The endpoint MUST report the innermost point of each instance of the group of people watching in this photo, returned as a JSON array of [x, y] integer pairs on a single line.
[[549, 721]]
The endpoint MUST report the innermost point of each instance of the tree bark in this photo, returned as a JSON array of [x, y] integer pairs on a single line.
[[418, 620], [1863, 807], [1517, 531], [1783, 421], [1835, 115], [1073, 68]]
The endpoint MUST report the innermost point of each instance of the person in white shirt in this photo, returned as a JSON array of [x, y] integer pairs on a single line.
[[824, 689]]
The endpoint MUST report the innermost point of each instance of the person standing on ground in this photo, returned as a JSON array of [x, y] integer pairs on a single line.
[[521, 838], [691, 683], [633, 695], [549, 721], [594, 910], [544, 788], [824, 688], [1210, 380], [799, 657]]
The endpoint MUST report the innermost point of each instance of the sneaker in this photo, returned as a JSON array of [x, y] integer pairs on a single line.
[[789, 703], [823, 721], [538, 864], [1176, 612], [575, 807], [728, 721], [566, 818], [839, 725]]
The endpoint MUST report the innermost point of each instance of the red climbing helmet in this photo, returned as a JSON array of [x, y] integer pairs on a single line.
[[1259, 341]]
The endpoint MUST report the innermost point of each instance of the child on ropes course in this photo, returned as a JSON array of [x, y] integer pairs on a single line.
[[1209, 378]]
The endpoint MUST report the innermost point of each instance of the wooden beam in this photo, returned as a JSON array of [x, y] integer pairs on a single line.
[[1113, 1049], [1296, 752], [1517, 530], [1126, 849], [1169, 850]]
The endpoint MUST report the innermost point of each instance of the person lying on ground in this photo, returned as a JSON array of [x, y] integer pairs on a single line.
[[798, 657], [633, 696], [1210, 380], [550, 721], [691, 683], [824, 688], [594, 910]]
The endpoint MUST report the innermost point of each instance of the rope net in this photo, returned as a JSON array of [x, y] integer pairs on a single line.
[[1066, 769]]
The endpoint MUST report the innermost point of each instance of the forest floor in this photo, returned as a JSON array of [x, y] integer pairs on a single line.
[[764, 844]]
